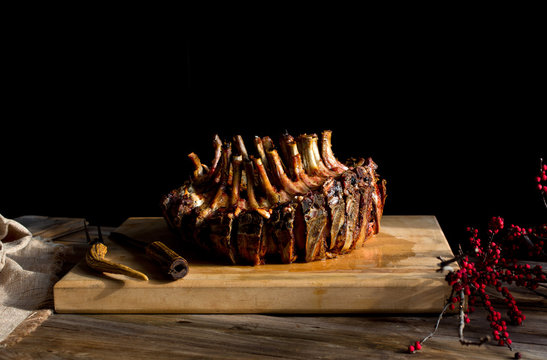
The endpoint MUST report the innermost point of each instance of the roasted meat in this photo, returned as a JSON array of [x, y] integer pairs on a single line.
[[292, 203], [311, 228], [280, 226]]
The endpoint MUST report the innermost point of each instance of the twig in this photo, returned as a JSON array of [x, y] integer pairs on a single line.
[[544, 193], [443, 262], [490, 238], [464, 341], [436, 324], [462, 316], [439, 319]]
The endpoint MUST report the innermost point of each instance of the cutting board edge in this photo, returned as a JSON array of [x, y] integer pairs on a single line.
[[255, 300], [251, 283]]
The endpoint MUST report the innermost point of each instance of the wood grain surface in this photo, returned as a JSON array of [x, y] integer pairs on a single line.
[[50, 228], [255, 336], [389, 274]]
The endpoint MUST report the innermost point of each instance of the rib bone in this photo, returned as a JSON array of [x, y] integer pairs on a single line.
[[328, 156], [292, 187]]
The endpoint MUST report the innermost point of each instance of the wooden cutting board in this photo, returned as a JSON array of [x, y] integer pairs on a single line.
[[395, 272]]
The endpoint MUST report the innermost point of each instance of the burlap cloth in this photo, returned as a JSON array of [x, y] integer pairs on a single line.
[[28, 268]]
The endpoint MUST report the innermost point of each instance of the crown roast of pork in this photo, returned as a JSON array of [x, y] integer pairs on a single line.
[[294, 202]]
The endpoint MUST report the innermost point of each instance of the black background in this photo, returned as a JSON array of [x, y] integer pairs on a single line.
[[99, 117]]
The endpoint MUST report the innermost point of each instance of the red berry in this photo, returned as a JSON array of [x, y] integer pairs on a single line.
[[411, 349], [518, 355], [418, 345], [467, 291]]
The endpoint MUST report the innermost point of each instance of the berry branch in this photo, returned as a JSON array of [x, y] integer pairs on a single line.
[[541, 180], [496, 263]]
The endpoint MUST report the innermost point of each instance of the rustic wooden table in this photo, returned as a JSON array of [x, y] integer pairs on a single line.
[[198, 336]]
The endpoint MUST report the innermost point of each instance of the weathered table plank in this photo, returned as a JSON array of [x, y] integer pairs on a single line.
[[163, 336], [51, 228]]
